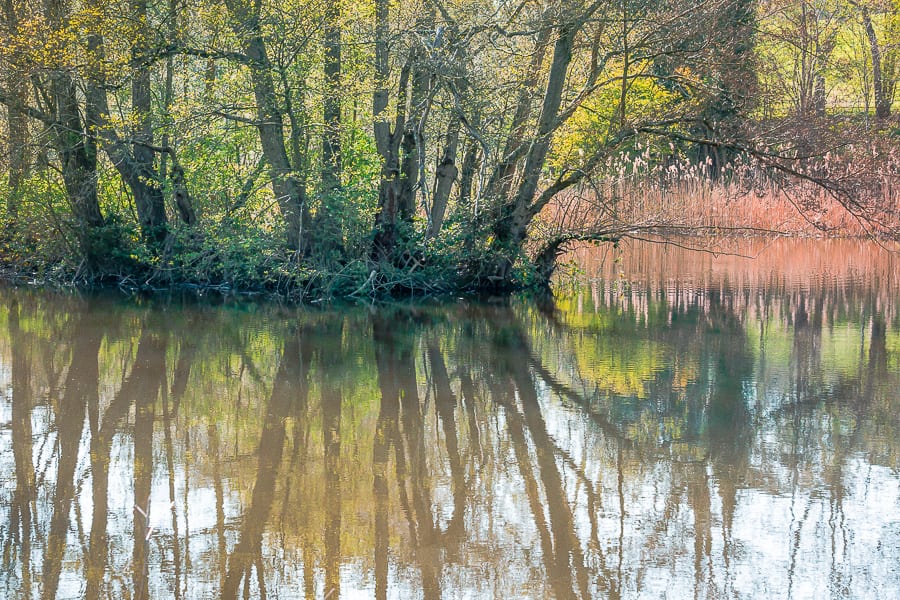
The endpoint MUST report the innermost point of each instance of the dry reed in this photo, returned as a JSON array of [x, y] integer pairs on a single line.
[[853, 194]]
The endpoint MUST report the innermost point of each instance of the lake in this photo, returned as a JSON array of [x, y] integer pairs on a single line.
[[675, 424]]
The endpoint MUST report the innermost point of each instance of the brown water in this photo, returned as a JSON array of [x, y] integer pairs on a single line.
[[684, 426]]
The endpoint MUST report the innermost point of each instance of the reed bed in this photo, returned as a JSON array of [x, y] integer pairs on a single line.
[[852, 194]]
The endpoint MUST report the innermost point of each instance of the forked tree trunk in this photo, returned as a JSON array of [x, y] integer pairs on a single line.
[[398, 146], [289, 189], [502, 178], [135, 159], [75, 143], [510, 226], [78, 156]]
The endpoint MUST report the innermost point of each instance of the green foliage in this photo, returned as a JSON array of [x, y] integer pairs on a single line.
[[592, 127], [231, 130], [228, 255]]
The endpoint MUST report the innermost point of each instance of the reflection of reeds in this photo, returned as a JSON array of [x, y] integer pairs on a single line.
[[855, 194], [843, 273]]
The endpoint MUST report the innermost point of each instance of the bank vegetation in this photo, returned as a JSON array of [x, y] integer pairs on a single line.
[[376, 147]]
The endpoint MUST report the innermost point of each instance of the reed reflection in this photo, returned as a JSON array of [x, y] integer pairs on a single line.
[[607, 445]]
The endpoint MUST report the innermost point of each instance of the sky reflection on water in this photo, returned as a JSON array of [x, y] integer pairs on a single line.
[[678, 427]]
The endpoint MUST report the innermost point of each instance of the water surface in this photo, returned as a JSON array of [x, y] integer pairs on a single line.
[[675, 425]]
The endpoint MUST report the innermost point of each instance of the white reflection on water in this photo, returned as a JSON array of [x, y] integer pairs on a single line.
[[720, 442]]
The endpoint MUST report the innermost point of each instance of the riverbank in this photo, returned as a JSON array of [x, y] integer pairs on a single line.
[[668, 201], [361, 281]]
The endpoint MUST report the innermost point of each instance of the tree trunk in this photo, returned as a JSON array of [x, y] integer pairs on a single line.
[[143, 177], [17, 149], [75, 144], [511, 224], [77, 150], [398, 147], [390, 191], [290, 192], [331, 135], [501, 179], [882, 102], [133, 159], [819, 96], [467, 172], [328, 226], [184, 204], [396, 192], [444, 176], [17, 123], [387, 139]]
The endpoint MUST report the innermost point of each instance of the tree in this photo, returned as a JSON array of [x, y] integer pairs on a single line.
[[884, 60], [72, 102], [16, 87], [485, 122], [287, 183], [557, 59], [731, 80], [331, 133], [398, 144], [133, 156], [72, 129], [801, 36]]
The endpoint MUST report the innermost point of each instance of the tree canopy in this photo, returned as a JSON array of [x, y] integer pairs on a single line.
[[343, 147]]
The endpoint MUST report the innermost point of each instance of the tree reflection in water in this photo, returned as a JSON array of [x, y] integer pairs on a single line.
[[734, 442]]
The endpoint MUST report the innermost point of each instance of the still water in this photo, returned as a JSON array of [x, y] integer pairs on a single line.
[[675, 425]]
